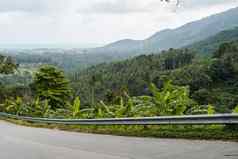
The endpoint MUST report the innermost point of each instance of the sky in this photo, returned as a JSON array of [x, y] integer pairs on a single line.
[[89, 23]]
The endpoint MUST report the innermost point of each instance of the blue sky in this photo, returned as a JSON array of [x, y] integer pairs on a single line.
[[96, 21]]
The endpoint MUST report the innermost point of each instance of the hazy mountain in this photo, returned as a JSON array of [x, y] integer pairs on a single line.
[[173, 38]]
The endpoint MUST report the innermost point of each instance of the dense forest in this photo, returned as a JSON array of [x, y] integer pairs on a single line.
[[133, 75], [210, 80]]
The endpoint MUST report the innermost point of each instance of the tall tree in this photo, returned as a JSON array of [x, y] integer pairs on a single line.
[[50, 84]]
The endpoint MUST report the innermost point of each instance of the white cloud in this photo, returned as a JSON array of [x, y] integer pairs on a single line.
[[96, 21]]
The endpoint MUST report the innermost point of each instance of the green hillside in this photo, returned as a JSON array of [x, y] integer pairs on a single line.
[[211, 44], [133, 74], [211, 80]]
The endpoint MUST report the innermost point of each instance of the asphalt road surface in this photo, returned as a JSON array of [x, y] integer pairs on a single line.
[[18, 142]]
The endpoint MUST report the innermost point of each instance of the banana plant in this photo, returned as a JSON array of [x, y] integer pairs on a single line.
[[108, 112], [15, 106], [126, 108], [134, 108], [39, 108], [77, 112], [235, 110], [171, 99], [143, 106], [46, 111], [76, 107]]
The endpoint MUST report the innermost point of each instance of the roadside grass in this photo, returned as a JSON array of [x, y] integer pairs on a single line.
[[204, 132]]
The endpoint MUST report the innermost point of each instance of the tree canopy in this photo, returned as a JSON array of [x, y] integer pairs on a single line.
[[50, 84]]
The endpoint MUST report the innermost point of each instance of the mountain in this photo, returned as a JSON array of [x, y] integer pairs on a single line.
[[173, 38], [202, 32], [211, 44]]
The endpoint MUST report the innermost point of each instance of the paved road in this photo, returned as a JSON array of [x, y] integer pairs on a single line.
[[18, 142]]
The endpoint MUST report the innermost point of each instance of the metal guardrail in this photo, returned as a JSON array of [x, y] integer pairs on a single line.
[[163, 120]]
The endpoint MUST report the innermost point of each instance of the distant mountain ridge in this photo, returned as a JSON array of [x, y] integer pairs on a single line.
[[173, 38]]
